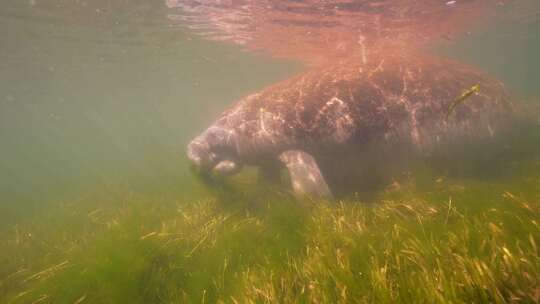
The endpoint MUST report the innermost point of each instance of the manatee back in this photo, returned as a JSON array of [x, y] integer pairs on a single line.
[[389, 98]]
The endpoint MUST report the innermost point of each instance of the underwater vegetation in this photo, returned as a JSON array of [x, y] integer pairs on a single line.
[[426, 237], [106, 82]]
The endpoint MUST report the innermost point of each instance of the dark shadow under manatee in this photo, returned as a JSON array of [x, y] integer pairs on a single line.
[[245, 193], [490, 158]]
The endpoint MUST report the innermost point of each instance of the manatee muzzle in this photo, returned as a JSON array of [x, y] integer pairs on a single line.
[[198, 152], [227, 167], [204, 160]]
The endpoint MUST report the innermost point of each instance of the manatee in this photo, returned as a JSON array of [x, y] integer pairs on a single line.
[[322, 120]]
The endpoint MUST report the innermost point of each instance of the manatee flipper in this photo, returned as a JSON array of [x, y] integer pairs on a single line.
[[306, 177]]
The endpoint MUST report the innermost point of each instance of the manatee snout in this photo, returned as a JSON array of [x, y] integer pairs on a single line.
[[208, 158], [227, 167], [200, 155]]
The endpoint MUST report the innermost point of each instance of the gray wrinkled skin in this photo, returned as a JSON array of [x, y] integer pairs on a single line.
[[333, 113]]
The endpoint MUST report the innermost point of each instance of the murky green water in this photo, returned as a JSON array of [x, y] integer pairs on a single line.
[[102, 93], [103, 96]]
